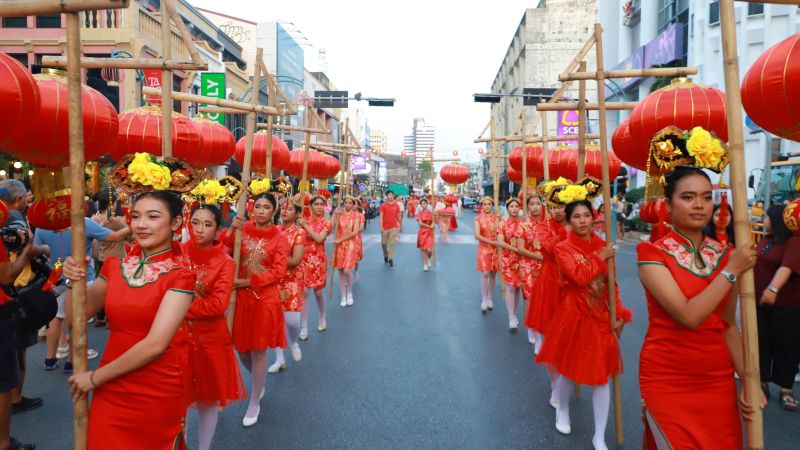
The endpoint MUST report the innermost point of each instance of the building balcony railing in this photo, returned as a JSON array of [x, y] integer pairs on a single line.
[[150, 31], [104, 18]]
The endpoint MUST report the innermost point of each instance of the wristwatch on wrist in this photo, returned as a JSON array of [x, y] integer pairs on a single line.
[[729, 276], [772, 289]]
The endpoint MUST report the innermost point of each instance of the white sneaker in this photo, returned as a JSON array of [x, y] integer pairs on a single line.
[[91, 354], [297, 355], [303, 334], [344, 301], [531, 337], [349, 299], [276, 367], [490, 305], [424, 267], [484, 307], [599, 443], [513, 323]]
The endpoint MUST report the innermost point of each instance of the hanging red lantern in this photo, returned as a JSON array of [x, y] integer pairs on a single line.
[[514, 175], [534, 166], [51, 213], [140, 131], [683, 104], [626, 149], [218, 143], [451, 199], [19, 102], [593, 163], [403, 154], [48, 146], [314, 166], [258, 159], [769, 87], [791, 216], [454, 174], [330, 167], [560, 160]]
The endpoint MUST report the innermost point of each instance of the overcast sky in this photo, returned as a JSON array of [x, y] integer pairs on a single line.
[[429, 55]]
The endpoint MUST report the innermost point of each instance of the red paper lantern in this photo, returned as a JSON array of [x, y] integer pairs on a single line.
[[534, 166], [514, 175], [771, 87], [218, 143], [563, 162], [682, 104], [19, 102], [654, 210], [140, 131], [451, 199], [48, 146], [258, 159], [330, 167], [50, 213], [594, 160], [629, 151], [315, 166], [454, 174], [791, 216], [560, 160]]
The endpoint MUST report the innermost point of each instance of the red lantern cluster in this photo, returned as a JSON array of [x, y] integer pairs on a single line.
[[534, 164], [19, 102], [316, 164], [329, 168], [258, 159], [563, 162], [218, 143], [514, 175], [140, 131], [769, 87], [454, 174], [629, 151]]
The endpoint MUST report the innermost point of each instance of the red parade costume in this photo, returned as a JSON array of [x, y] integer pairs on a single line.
[[258, 323], [315, 261], [346, 251], [291, 287], [509, 229], [529, 268], [686, 375], [215, 378], [411, 207], [544, 295], [359, 238], [144, 408], [488, 260], [425, 235], [580, 344]]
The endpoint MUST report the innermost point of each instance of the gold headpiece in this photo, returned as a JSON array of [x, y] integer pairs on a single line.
[[143, 172], [585, 189], [672, 147], [213, 192]]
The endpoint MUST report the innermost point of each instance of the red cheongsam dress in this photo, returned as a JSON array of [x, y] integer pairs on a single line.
[[315, 261], [509, 228], [425, 235], [545, 298], [346, 251], [215, 378], [488, 259], [529, 268], [291, 287], [144, 408], [686, 375], [258, 323], [580, 344]]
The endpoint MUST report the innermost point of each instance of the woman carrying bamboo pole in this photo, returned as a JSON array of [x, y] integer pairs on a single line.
[[348, 226], [693, 345], [315, 262], [511, 269], [488, 259], [530, 250]]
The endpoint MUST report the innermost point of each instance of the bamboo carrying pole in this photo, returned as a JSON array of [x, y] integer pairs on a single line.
[[125, 63], [545, 154], [239, 107], [166, 82], [611, 262], [496, 198], [248, 153], [582, 121], [42, 7], [77, 223], [633, 73], [571, 106], [524, 162], [747, 298], [304, 178], [537, 139]]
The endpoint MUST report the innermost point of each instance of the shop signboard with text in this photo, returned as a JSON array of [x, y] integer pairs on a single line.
[[212, 84]]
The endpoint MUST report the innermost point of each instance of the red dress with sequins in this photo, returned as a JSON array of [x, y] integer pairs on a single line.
[[346, 251], [258, 323], [580, 344], [425, 235], [686, 375], [529, 268], [144, 408], [315, 262], [544, 295], [488, 259], [216, 380], [509, 229], [291, 287]]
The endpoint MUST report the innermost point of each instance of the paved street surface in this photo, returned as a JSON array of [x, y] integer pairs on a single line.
[[413, 364]]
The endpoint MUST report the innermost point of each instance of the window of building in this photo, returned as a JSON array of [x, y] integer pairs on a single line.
[[49, 21], [755, 9], [713, 13], [21, 57], [675, 11], [15, 22]]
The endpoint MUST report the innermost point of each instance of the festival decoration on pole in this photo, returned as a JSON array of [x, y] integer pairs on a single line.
[[141, 130], [454, 174], [19, 102], [218, 143], [258, 161]]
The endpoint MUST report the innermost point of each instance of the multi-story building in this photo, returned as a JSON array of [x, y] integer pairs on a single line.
[[642, 34], [378, 141], [421, 140]]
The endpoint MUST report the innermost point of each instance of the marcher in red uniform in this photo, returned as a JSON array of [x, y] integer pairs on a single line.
[[488, 259], [291, 287], [692, 344], [348, 226], [258, 323], [315, 263], [140, 398], [581, 343], [426, 234], [215, 379], [507, 238], [530, 250]]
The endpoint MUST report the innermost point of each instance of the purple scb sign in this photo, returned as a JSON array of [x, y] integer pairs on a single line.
[[359, 162], [665, 48], [567, 124]]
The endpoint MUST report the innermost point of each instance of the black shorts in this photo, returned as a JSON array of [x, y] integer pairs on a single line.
[[9, 371]]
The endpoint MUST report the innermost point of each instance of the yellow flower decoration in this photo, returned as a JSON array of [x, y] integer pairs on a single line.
[[561, 181], [706, 149], [572, 193], [258, 187], [144, 171], [211, 191]]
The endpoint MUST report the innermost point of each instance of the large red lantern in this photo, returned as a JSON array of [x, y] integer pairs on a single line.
[[218, 143], [140, 131], [315, 166], [50, 213], [514, 175], [771, 87], [559, 160], [594, 160], [330, 167], [454, 174], [563, 162], [19, 102], [534, 167], [682, 104], [48, 146], [629, 151], [258, 159]]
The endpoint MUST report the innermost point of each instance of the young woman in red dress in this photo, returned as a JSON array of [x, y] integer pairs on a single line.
[[488, 259], [139, 395], [693, 345], [530, 250], [348, 225], [291, 287], [258, 323], [215, 378], [507, 239], [315, 262], [581, 345], [426, 233]]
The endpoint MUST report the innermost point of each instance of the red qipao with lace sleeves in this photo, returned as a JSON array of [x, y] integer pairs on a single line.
[[544, 295], [215, 377], [291, 287], [509, 229], [425, 234], [580, 343], [488, 259], [686, 375], [144, 408], [258, 323], [315, 261], [529, 268]]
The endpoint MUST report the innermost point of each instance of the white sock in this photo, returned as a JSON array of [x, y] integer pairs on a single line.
[[259, 360], [564, 388], [601, 399], [207, 426], [279, 358], [292, 320], [511, 301]]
